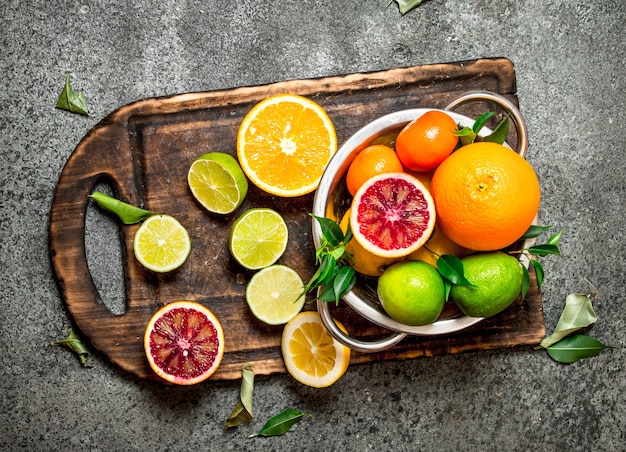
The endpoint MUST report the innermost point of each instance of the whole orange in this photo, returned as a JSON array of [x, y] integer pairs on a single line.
[[371, 161], [426, 141], [486, 196]]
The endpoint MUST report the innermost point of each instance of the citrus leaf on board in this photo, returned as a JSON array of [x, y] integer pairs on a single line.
[[127, 213]]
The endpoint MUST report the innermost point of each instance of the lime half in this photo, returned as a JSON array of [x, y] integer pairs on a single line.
[[258, 238], [275, 294], [217, 182], [161, 243]]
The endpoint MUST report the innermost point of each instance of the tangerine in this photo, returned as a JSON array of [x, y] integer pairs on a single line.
[[486, 196], [371, 161], [426, 141]]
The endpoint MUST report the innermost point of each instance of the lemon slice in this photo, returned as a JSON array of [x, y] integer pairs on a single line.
[[217, 182], [274, 294], [310, 353], [284, 144], [258, 238], [161, 243]]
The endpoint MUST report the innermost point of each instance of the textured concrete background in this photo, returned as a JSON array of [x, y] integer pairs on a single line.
[[569, 57]]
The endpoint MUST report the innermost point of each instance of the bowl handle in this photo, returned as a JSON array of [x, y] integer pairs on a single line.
[[355, 344], [506, 105]]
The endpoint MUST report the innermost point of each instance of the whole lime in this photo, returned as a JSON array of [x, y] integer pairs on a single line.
[[496, 279], [412, 292]]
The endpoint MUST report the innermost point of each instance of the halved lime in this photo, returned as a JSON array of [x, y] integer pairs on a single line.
[[275, 294], [217, 182], [161, 243], [258, 238]]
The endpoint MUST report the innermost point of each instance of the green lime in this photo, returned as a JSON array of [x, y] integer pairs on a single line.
[[258, 238], [217, 181], [275, 294], [412, 292], [161, 243], [496, 279]]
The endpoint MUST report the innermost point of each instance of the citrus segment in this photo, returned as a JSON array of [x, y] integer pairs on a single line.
[[184, 343], [161, 243], [426, 141], [311, 355], [217, 182], [412, 293], [258, 238], [486, 196], [496, 279], [371, 161], [274, 294], [392, 215], [284, 144]]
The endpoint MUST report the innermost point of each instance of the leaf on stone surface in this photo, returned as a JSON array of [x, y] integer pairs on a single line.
[[281, 423], [127, 213], [573, 348], [406, 5], [242, 413], [534, 231], [577, 314], [71, 101], [73, 343]]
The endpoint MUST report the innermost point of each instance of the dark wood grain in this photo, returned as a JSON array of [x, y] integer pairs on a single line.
[[144, 150]]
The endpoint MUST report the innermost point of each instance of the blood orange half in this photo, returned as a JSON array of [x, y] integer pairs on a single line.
[[184, 343], [392, 215]]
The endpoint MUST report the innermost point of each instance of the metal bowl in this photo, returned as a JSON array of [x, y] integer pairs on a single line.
[[332, 200]]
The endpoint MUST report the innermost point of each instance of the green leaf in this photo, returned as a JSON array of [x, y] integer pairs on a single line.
[[73, 343], [525, 282], [556, 238], [538, 271], [500, 133], [480, 122], [451, 268], [331, 231], [128, 213], [343, 282], [71, 101], [573, 348], [544, 250], [406, 5], [578, 313], [281, 423], [242, 413], [466, 135], [534, 231]]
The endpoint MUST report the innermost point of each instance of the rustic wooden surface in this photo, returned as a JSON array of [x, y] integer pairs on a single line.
[[144, 150]]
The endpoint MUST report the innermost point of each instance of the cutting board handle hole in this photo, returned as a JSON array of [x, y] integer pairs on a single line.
[[103, 247]]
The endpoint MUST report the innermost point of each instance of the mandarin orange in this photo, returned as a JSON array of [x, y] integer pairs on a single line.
[[371, 161], [486, 196], [426, 141]]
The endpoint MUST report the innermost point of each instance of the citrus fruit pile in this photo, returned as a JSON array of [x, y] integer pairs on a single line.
[[447, 199]]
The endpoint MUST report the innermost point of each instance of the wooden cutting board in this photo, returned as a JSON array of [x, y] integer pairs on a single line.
[[144, 150]]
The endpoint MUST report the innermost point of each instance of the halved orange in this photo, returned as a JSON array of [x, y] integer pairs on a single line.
[[284, 144]]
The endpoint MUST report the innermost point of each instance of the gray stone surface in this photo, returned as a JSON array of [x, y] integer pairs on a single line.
[[569, 57]]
